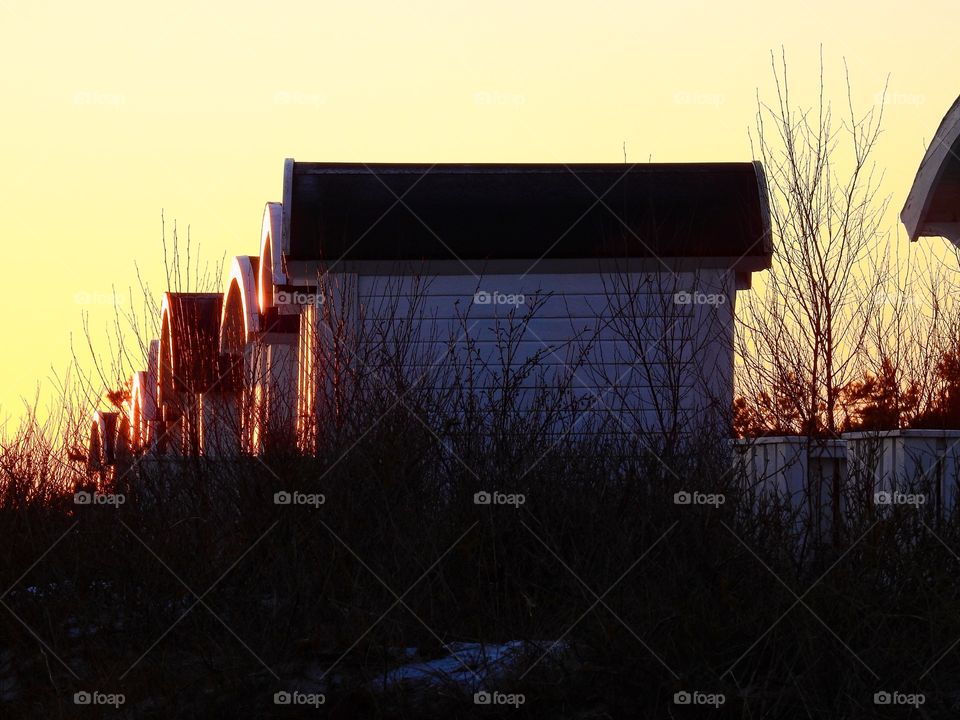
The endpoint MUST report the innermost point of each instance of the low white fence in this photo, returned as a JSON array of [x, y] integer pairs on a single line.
[[907, 461], [819, 477], [804, 476]]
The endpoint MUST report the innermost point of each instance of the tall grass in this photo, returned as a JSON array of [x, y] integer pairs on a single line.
[[200, 596]]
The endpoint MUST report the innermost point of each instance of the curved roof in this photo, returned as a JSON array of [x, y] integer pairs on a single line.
[[153, 366], [270, 270], [243, 282], [143, 395], [932, 208], [356, 211]]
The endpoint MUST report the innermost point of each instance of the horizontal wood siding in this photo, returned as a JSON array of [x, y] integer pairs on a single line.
[[622, 343]]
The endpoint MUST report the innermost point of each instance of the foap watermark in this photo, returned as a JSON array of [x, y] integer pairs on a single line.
[[495, 297], [296, 297], [94, 298], [698, 498], [695, 697], [895, 697], [298, 498], [895, 497], [491, 97], [882, 297], [298, 698], [295, 97], [498, 498], [90, 98], [690, 97], [85, 497], [899, 98], [96, 697], [498, 698], [698, 298]]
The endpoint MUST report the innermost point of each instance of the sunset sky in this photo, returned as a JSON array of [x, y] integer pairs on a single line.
[[113, 112]]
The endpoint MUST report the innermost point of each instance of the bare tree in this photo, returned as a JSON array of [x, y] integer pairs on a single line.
[[802, 328], [910, 347]]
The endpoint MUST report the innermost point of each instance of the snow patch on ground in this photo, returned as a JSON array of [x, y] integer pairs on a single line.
[[470, 666], [9, 687]]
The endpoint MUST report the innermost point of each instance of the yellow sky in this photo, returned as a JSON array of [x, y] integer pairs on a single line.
[[113, 111]]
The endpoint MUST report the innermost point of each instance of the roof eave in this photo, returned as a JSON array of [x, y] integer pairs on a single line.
[[913, 215]]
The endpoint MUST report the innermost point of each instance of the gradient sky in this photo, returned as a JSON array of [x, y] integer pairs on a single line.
[[112, 112]]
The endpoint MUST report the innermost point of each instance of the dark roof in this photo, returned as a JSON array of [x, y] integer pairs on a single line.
[[933, 206], [195, 327], [350, 211]]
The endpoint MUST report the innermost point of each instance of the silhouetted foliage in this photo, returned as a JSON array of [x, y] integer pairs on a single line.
[[879, 401]]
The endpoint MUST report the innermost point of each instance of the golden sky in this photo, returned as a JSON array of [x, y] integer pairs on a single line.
[[113, 111]]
